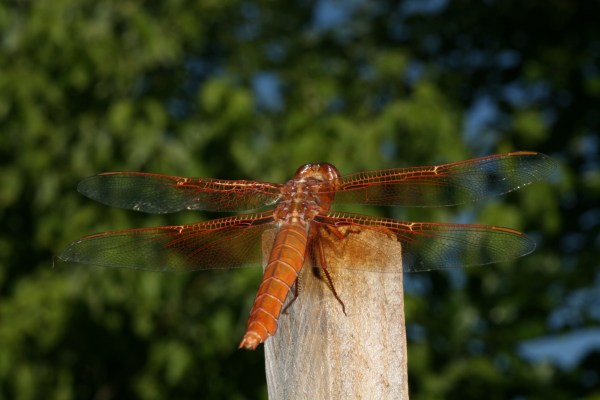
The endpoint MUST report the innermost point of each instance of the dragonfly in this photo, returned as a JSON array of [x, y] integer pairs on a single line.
[[301, 215]]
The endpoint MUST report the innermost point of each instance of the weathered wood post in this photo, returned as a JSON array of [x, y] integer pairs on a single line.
[[320, 353]]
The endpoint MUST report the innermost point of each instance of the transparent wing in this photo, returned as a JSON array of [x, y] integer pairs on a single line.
[[425, 245], [159, 194], [222, 243], [446, 184]]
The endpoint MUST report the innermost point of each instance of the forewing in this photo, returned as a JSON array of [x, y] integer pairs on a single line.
[[446, 184], [159, 194], [425, 246], [222, 243]]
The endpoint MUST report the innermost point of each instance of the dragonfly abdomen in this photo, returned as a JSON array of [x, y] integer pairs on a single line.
[[285, 262]]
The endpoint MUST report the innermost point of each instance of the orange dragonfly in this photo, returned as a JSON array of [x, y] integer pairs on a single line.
[[301, 214]]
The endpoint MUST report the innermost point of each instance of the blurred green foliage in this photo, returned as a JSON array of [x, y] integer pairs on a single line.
[[171, 87]]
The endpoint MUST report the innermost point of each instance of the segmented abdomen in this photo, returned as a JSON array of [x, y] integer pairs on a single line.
[[285, 262]]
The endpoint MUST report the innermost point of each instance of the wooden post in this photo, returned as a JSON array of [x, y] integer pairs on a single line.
[[320, 353]]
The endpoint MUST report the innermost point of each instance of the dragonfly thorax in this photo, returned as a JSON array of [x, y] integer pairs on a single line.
[[308, 193]]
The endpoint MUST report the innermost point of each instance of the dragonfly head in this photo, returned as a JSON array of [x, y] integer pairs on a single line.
[[321, 171]]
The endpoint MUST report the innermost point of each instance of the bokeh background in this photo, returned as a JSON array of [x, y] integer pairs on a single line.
[[251, 90]]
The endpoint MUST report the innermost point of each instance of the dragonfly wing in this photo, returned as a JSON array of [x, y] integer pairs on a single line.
[[425, 246], [446, 184], [222, 243], [159, 194]]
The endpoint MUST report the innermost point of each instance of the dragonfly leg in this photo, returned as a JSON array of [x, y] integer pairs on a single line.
[[341, 232], [296, 293], [323, 263]]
